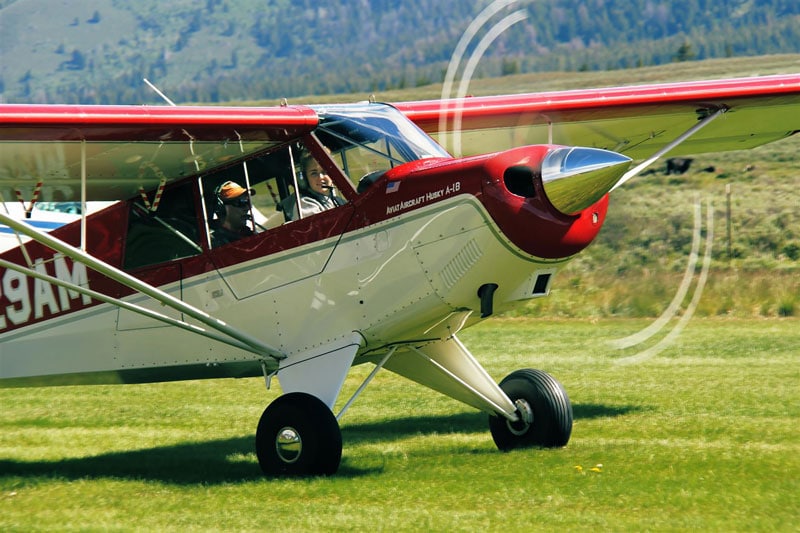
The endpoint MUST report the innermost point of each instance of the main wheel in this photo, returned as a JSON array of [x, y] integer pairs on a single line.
[[545, 413], [298, 436]]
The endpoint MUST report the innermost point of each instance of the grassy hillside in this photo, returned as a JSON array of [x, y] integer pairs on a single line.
[[640, 258]]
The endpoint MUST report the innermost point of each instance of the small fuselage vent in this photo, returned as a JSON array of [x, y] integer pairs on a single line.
[[542, 284]]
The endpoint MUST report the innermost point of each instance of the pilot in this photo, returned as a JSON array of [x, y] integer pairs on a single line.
[[232, 211], [320, 194]]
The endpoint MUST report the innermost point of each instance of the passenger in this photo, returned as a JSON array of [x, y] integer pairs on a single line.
[[320, 194], [232, 211]]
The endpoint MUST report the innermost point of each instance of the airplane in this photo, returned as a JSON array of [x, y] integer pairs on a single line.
[[364, 233]]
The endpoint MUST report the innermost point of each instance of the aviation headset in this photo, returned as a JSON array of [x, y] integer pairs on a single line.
[[219, 205], [219, 210]]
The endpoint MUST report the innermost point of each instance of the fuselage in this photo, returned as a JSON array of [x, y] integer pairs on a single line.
[[429, 247]]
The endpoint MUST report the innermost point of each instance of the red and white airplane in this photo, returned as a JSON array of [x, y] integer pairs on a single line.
[[396, 247]]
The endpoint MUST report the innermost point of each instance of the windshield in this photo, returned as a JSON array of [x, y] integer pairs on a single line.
[[370, 138]]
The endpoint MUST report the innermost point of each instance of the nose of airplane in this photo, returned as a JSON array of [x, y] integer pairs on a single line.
[[576, 177]]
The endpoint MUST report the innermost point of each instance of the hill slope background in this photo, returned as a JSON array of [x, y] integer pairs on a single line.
[[98, 51]]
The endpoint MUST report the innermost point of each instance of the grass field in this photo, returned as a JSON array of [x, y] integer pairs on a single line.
[[702, 436]]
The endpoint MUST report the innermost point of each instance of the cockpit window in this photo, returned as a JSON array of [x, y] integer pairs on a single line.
[[372, 138], [164, 231]]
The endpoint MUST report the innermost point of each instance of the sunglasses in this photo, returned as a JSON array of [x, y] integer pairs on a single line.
[[241, 202]]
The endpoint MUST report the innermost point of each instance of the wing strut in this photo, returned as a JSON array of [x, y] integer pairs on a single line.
[[123, 304], [685, 135], [253, 345], [158, 92], [367, 381], [501, 410]]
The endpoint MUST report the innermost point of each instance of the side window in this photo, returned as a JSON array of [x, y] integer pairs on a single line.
[[315, 192], [264, 192], [227, 197], [163, 230], [248, 198], [362, 161], [272, 177]]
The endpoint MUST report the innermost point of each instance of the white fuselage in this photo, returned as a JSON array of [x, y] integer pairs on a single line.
[[410, 278]]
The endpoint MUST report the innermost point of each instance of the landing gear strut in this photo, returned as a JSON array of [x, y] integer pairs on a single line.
[[298, 436], [544, 409]]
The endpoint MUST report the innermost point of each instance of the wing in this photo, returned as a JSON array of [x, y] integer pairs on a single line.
[[125, 148], [637, 121]]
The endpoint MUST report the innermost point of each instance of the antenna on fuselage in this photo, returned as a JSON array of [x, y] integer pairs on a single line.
[[159, 93]]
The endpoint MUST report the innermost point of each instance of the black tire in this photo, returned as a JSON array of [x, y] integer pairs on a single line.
[[298, 436], [545, 400]]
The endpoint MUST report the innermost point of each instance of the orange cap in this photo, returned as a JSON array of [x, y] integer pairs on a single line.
[[230, 190]]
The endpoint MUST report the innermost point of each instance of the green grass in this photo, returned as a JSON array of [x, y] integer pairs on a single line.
[[702, 436]]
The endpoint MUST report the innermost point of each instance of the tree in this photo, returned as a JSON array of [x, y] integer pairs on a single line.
[[76, 62], [685, 52], [509, 66]]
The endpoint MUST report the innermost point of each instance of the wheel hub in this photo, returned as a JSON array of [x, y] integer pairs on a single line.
[[289, 445], [525, 413]]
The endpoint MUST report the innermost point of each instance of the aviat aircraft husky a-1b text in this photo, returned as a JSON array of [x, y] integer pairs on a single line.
[[180, 277]]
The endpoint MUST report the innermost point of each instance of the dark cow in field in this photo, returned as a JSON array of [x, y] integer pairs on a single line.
[[678, 165]]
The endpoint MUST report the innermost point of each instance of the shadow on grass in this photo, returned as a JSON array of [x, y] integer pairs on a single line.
[[230, 460], [467, 422], [190, 463], [594, 410], [201, 463]]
